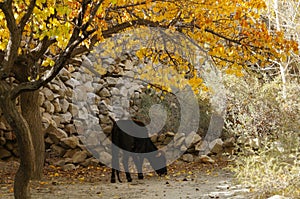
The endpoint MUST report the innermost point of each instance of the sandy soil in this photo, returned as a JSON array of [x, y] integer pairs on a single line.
[[184, 181]]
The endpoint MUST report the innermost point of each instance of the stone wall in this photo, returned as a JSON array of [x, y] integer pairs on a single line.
[[77, 109]]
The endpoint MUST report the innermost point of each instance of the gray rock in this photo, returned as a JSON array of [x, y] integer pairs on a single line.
[[80, 94], [104, 93], [189, 138], [167, 140], [56, 120], [94, 109], [91, 138], [70, 129], [88, 77], [188, 158], [4, 153], [56, 134], [49, 107], [54, 87], [59, 163], [64, 74], [104, 119], [89, 87], [161, 138], [154, 138], [48, 93], [83, 114], [204, 159], [42, 110], [79, 157], [73, 109], [65, 117], [107, 129], [70, 142], [78, 76], [125, 103], [69, 167], [115, 91], [64, 105], [94, 162], [171, 134], [70, 152], [92, 98], [216, 146], [56, 104], [123, 91], [61, 88], [79, 126], [129, 73], [178, 136], [103, 108], [105, 158], [229, 142], [179, 141], [111, 81], [128, 64], [197, 138], [57, 151], [72, 83], [106, 142], [183, 148], [41, 98], [48, 141], [97, 87]]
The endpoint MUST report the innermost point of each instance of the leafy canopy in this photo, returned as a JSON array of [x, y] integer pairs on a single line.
[[234, 33]]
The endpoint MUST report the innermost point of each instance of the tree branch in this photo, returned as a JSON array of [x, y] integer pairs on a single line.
[[120, 27], [14, 39], [43, 46], [27, 15], [92, 16], [222, 36], [75, 40]]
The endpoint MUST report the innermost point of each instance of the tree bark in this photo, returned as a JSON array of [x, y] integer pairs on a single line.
[[31, 112], [22, 131]]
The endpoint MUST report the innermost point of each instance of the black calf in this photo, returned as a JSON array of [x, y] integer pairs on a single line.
[[132, 138]]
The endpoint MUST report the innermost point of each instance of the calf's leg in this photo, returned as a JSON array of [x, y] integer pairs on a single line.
[[113, 176], [138, 161], [126, 168], [115, 164]]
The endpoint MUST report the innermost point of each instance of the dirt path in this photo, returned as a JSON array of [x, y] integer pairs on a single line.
[[185, 181]]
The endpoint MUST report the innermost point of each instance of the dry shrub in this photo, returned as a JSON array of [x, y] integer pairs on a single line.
[[267, 128]]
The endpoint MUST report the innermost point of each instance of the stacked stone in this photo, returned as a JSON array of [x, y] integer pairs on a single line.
[[77, 108]]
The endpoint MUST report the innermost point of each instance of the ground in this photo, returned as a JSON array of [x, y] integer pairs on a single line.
[[185, 180]]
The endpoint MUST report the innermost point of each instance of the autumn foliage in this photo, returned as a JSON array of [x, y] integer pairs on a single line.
[[234, 33], [39, 37]]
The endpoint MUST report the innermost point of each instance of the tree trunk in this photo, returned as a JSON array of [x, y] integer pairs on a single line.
[[31, 112], [22, 131]]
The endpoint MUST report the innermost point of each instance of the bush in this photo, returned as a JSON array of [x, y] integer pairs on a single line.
[[267, 129], [171, 105]]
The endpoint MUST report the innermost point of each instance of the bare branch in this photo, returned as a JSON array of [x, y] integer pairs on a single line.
[[61, 61], [92, 15], [14, 40], [27, 15], [120, 27], [43, 46], [223, 37], [135, 4]]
